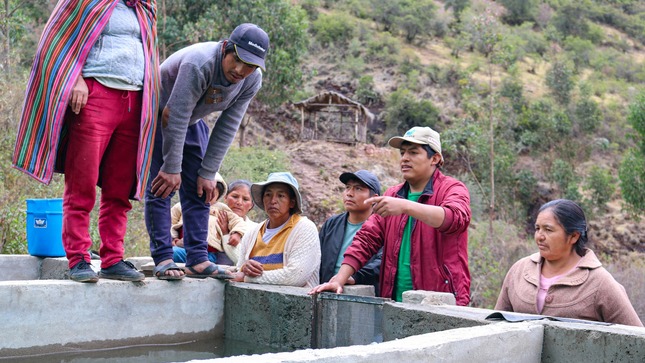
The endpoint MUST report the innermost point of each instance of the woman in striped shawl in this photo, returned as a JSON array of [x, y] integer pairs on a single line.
[[90, 111]]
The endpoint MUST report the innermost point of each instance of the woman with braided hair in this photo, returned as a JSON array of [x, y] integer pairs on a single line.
[[564, 278]]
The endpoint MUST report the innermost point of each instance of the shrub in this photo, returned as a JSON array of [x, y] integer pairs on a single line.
[[525, 189], [513, 90], [384, 47], [403, 111], [335, 28], [562, 174], [355, 65], [365, 91], [541, 125], [588, 114], [534, 42], [580, 51], [519, 11], [632, 181], [560, 80], [602, 186], [570, 20]]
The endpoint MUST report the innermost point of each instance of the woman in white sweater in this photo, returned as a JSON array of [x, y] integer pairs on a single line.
[[284, 249]]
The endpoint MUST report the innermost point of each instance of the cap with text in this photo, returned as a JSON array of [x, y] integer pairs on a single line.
[[421, 136], [251, 44]]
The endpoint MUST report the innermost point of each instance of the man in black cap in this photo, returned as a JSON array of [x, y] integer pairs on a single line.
[[196, 81], [338, 231]]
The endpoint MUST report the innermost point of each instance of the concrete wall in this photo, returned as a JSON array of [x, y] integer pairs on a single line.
[[516, 343], [569, 342], [276, 316], [20, 267], [404, 320], [65, 316], [62, 315]]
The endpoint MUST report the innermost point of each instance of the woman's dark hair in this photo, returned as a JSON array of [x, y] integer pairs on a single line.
[[238, 183], [425, 147], [572, 218]]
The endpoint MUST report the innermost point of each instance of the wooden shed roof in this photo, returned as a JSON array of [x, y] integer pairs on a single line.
[[331, 98]]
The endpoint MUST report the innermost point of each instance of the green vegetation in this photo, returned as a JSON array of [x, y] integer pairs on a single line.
[[632, 168]]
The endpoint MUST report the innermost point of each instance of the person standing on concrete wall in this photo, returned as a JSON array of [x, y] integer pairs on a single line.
[[421, 224], [90, 112], [197, 81], [338, 231]]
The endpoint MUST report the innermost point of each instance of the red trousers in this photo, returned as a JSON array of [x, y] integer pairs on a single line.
[[103, 144]]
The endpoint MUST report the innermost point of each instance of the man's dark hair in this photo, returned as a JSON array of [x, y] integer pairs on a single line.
[[425, 147], [229, 48]]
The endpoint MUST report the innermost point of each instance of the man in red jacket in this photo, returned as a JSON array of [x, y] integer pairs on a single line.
[[422, 225]]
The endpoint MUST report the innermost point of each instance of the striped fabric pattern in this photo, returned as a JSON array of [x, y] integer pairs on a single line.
[[271, 255], [67, 39]]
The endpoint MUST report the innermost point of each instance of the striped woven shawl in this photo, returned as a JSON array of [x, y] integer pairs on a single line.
[[72, 29]]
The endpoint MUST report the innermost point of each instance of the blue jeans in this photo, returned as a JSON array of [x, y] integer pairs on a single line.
[[179, 255], [194, 209]]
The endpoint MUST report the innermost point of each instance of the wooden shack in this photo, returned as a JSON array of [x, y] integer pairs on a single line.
[[333, 117]]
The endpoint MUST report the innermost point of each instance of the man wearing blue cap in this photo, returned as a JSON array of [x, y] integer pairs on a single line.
[[338, 231], [196, 81]]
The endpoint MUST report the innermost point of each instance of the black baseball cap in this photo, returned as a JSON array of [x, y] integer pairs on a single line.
[[251, 44], [366, 177]]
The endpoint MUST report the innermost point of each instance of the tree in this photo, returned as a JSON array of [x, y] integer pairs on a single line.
[[632, 168], [386, 12], [571, 20], [519, 11], [403, 111], [560, 80], [16, 17], [457, 6], [602, 186], [416, 17]]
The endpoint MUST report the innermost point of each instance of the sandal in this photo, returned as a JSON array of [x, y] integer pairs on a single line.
[[221, 274], [160, 272]]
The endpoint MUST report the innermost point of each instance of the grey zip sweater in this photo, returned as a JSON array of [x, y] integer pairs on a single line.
[[193, 86]]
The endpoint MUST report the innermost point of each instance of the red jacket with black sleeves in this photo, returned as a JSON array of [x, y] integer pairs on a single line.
[[439, 256]]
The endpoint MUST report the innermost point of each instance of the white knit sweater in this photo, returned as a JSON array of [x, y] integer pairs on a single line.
[[301, 256]]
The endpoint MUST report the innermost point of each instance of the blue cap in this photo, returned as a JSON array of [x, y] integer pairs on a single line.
[[251, 44], [366, 177]]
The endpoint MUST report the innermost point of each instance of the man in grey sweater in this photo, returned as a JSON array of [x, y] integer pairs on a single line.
[[196, 81]]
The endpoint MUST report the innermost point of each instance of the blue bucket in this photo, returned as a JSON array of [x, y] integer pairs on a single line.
[[45, 227]]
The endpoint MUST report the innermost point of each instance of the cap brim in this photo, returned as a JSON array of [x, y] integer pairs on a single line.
[[249, 58], [396, 141]]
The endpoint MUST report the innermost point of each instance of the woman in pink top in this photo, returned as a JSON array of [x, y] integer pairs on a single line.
[[564, 278]]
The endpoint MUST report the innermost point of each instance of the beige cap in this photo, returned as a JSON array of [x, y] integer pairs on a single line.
[[422, 136]]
